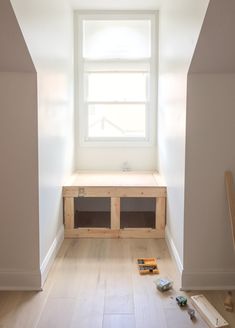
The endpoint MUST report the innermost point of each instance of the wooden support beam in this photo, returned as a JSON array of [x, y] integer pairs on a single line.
[[115, 213], [69, 212], [160, 213], [91, 233], [141, 233], [231, 201], [114, 191], [70, 191], [117, 233]]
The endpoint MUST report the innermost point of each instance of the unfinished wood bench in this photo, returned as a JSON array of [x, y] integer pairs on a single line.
[[115, 186]]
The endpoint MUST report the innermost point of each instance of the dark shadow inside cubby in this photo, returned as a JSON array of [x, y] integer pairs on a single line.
[[92, 212], [137, 212]]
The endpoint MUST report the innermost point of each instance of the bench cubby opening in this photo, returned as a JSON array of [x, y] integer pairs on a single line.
[[91, 212], [138, 212]]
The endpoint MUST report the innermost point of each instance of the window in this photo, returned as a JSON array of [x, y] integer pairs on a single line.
[[116, 77]]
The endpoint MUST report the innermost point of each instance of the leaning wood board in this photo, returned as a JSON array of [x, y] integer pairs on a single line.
[[208, 312], [231, 201]]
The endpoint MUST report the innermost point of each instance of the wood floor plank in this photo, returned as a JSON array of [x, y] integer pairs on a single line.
[[148, 309], [119, 321], [57, 313], [89, 306], [95, 283], [177, 317], [66, 282], [23, 309], [119, 292], [88, 311]]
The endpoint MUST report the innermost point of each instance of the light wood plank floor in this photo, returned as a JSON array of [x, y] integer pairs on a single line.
[[94, 283]]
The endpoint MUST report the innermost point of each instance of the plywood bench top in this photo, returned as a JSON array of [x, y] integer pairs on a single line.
[[115, 179]]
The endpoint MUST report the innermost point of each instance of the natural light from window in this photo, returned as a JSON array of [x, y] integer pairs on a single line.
[[115, 61]]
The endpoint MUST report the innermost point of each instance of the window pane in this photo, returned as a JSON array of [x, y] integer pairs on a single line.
[[116, 39], [117, 86], [116, 121]]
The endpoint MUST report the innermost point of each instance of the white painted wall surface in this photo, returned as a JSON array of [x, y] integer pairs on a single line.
[[47, 28], [180, 23], [116, 5], [209, 258], [112, 159], [19, 233]]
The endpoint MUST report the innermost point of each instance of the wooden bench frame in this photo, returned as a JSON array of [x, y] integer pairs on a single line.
[[114, 193]]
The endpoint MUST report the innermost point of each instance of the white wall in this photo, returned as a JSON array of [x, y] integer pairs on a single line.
[[209, 258], [180, 23], [112, 159], [47, 28], [116, 5], [19, 233]]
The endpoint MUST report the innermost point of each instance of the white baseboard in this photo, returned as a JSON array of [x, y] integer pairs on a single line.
[[51, 254], [20, 280], [173, 250], [203, 280], [208, 280], [31, 280]]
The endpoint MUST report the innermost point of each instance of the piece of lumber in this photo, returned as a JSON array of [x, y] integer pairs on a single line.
[[115, 213], [69, 212], [82, 191], [207, 311], [160, 213], [140, 233], [116, 233], [115, 178], [70, 191], [231, 201]]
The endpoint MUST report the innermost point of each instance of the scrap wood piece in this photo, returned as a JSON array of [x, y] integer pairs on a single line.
[[147, 265], [228, 302], [231, 201], [207, 311]]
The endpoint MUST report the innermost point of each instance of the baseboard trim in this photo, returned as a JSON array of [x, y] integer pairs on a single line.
[[208, 280], [20, 280], [51, 254], [173, 250]]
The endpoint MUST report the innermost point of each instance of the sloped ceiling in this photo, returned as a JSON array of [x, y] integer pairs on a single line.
[[215, 50], [14, 55]]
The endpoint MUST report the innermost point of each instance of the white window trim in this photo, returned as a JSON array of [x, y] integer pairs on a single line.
[[80, 115]]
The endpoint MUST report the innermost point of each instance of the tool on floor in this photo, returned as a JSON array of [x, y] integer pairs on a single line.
[[208, 312], [147, 265], [181, 300], [163, 284], [191, 313]]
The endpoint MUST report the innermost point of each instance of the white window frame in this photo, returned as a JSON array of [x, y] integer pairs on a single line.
[[81, 114]]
